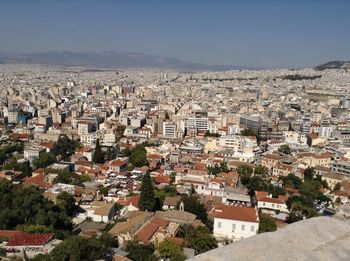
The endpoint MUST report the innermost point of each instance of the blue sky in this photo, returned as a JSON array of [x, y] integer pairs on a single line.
[[267, 33]]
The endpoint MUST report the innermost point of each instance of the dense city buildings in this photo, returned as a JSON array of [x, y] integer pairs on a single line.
[[167, 159]]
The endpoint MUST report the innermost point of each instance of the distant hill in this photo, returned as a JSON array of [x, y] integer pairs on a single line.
[[109, 59], [333, 65]]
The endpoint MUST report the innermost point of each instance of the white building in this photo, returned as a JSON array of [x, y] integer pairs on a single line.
[[197, 123], [12, 117], [234, 223], [269, 205], [169, 130], [84, 127], [31, 152]]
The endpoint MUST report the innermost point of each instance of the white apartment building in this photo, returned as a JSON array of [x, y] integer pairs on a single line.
[[237, 142], [326, 132], [233, 129], [293, 137], [31, 152], [169, 130], [89, 138], [109, 138], [268, 204], [197, 123], [84, 127], [12, 117], [234, 222]]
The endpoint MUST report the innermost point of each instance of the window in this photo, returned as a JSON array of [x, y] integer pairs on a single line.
[[273, 205], [252, 229], [219, 224], [242, 227], [233, 227]]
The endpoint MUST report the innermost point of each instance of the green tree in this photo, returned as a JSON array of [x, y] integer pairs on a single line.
[[200, 239], [168, 248], [111, 153], [266, 224], [147, 198], [245, 172], [337, 187], [194, 206], [140, 252], [45, 159], [98, 154], [166, 191], [65, 147], [66, 177], [104, 191], [26, 205], [285, 149], [67, 202], [248, 132], [309, 173], [261, 171], [138, 155], [2, 252], [108, 241], [217, 168], [299, 212], [3, 157], [37, 229], [12, 164], [292, 181], [77, 248]]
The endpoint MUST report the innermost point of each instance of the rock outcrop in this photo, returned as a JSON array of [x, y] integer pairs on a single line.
[[320, 238]]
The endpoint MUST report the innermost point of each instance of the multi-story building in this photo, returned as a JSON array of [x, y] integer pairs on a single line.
[[169, 130], [234, 222], [12, 117]]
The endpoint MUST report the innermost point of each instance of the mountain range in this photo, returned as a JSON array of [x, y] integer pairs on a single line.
[[110, 60], [333, 65]]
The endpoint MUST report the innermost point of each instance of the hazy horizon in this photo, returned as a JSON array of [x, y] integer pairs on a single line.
[[266, 34]]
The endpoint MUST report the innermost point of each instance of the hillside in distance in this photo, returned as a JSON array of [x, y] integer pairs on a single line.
[[109, 59], [333, 65]]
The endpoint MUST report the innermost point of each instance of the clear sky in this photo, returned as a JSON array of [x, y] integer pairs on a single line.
[[267, 33]]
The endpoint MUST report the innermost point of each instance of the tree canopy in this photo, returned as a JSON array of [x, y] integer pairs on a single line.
[[194, 206], [137, 155], [77, 248], [98, 156], [285, 149], [266, 224], [26, 205], [140, 252], [217, 168], [65, 147], [200, 239], [44, 160], [248, 132], [72, 178], [147, 197], [169, 248]]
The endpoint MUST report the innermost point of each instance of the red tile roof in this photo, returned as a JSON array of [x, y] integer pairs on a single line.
[[134, 201], [160, 222], [23, 239], [146, 232], [162, 180], [117, 163], [236, 213], [38, 180], [9, 233]]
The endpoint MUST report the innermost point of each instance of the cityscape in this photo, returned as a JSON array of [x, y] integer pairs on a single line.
[[124, 156]]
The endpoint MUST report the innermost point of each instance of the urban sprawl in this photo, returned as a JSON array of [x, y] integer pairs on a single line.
[[150, 164]]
